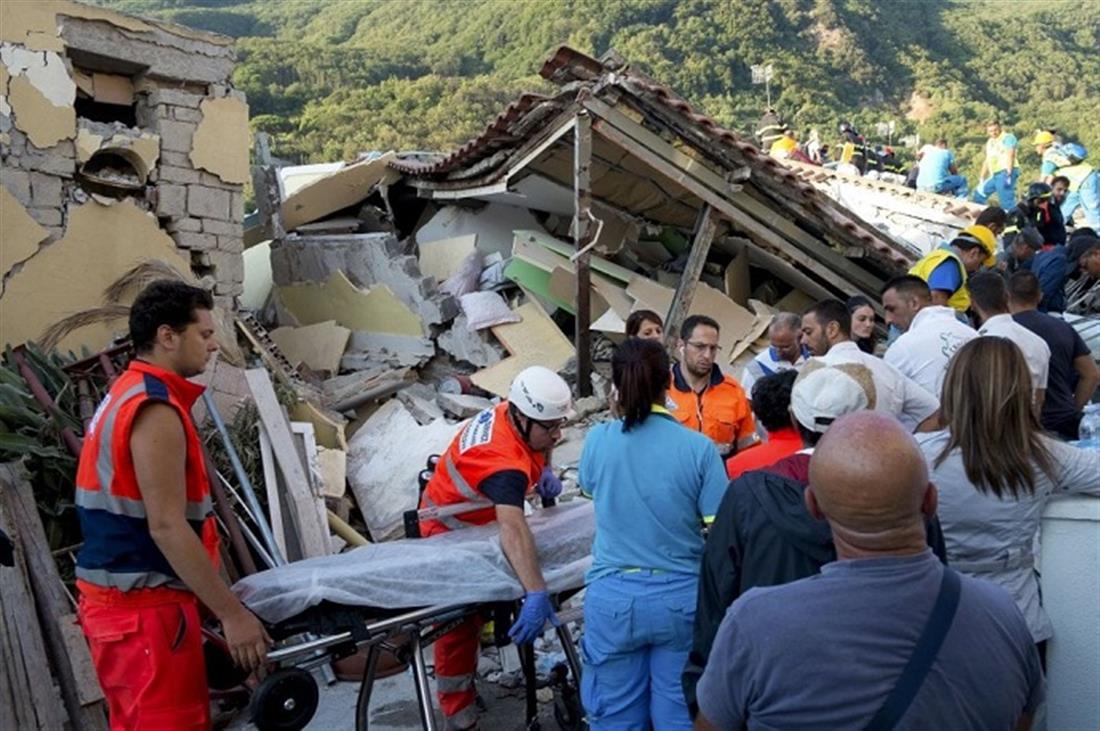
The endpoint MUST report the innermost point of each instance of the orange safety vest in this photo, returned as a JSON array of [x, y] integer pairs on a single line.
[[487, 444], [721, 411], [118, 553]]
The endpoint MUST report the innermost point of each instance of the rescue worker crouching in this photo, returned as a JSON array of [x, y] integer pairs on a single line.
[[947, 268], [499, 457], [705, 399], [150, 547]]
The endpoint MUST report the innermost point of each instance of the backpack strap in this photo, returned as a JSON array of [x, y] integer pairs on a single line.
[[924, 654]]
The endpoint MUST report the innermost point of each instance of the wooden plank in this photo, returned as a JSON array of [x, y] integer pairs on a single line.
[[13, 691], [705, 228], [535, 334], [303, 513], [274, 499], [736, 276], [534, 341], [36, 699], [758, 231], [89, 693], [697, 139], [72, 664], [544, 251], [753, 215], [582, 213], [307, 449]]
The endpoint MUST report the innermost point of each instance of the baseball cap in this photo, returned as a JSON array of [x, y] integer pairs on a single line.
[[823, 393], [981, 235]]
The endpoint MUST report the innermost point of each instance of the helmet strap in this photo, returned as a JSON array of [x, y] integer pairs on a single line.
[[525, 432]]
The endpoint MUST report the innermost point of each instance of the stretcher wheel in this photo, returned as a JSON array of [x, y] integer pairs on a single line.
[[285, 701], [567, 708]]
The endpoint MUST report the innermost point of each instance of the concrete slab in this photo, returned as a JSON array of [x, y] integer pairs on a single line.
[[463, 344], [384, 458]]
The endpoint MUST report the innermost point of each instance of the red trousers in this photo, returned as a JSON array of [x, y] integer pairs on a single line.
[[455, 667], [147, 650]]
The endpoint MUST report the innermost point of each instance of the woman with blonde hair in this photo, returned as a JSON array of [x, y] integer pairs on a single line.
[[994, 469]]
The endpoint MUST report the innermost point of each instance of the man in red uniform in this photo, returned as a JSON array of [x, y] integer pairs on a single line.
[[498, 458], [150, 546]]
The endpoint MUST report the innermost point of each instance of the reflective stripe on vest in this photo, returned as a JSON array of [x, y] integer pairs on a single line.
[[100, 500], [474, 500], [104, 461], [960, 298], [1077, 174], [128, 581]]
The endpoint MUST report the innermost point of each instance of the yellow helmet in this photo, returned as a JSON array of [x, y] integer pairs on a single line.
[[987, 239], [1042, 137]]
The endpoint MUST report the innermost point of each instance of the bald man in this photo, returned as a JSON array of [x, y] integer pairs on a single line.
[[827, 651]]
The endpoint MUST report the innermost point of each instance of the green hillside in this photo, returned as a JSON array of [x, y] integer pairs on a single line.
[[328, 79]]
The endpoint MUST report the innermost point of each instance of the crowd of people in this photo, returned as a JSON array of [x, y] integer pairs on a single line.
[[1070, 184], [889, 510], [848, 542]]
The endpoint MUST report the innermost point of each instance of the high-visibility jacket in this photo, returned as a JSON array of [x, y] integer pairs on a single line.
[[960, 298], [488, 444], [118, 551], [721, 411], [996, 154]]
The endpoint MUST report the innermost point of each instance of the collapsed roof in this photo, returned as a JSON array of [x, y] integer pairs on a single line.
[[656, 158]]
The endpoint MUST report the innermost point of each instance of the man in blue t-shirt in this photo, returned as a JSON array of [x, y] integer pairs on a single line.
[[827, 651], [937, 171], [1073, 375]]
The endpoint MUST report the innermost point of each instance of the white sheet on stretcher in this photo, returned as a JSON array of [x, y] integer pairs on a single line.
[[461, 567]]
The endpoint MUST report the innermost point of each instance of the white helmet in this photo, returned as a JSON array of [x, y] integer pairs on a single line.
[[541, 394]]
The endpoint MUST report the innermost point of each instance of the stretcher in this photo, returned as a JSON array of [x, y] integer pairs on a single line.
[[400, 597]]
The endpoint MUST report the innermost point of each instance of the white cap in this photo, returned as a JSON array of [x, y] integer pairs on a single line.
[[541, 394], [823, 393]]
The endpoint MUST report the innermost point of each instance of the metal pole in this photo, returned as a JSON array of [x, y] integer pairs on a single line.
[[582, 215], [242, 477], [423, 690], [42, 396]]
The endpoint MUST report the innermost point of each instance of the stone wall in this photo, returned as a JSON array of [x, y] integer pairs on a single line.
[[133, 117]]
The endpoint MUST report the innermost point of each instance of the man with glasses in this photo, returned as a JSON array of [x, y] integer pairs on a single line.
[[707, 400], [499, 457]]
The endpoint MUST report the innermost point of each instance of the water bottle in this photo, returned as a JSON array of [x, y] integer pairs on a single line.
[[1089, 430]]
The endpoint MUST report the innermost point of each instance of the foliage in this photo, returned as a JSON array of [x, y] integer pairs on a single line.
[[330, 79], [30, 434]]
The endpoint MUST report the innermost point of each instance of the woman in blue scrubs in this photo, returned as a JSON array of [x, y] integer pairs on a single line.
[[654, 484]]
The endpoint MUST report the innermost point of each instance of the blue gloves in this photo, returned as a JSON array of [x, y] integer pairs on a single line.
[[548, 486], [536, 610]]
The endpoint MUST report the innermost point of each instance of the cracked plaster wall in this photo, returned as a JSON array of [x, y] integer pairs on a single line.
[[189, 149]]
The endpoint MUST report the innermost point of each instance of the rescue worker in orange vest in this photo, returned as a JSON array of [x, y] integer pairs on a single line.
[[500, 457], [150, 546], [706, 400]]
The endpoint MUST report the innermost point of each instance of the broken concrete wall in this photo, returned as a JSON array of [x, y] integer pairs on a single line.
[[96, 105], [366, 259]]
